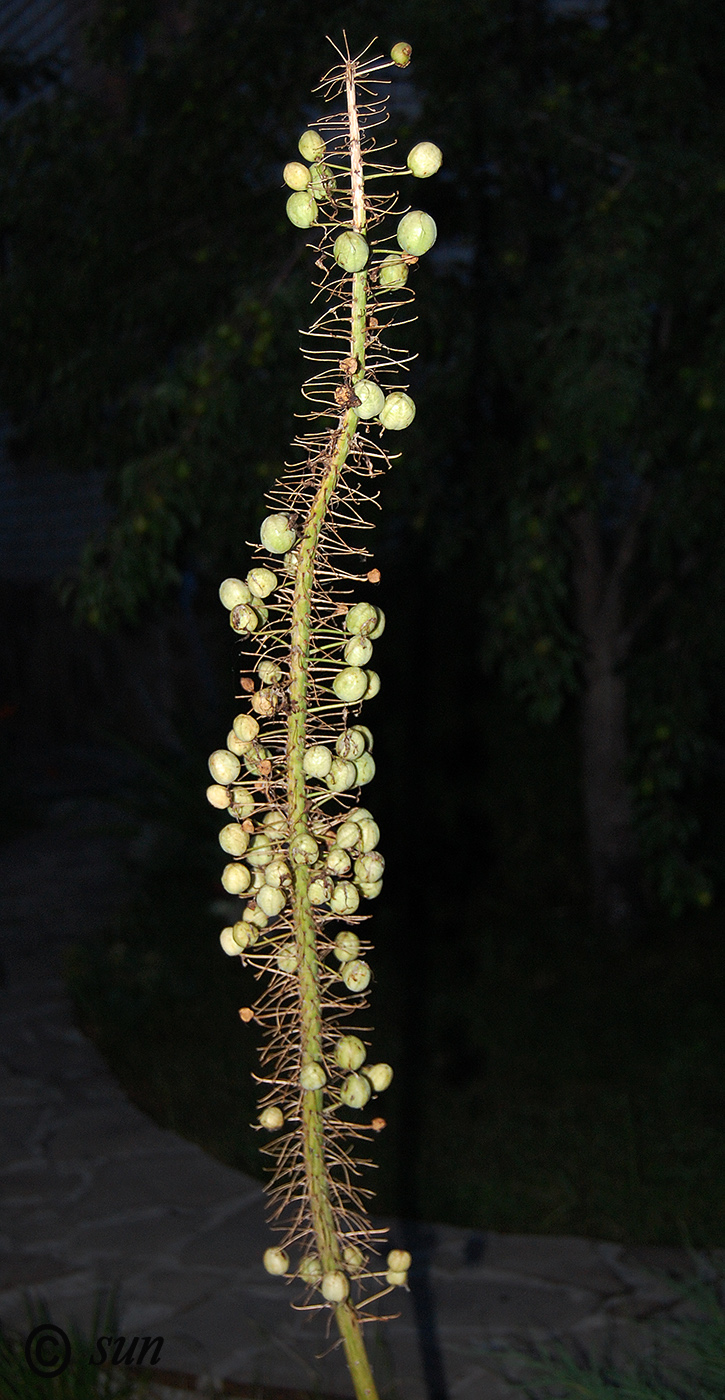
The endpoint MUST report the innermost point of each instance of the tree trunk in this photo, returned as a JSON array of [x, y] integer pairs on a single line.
[[611, 839]]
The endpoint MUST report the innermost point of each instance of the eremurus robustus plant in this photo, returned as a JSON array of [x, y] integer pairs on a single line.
[[303, 853]]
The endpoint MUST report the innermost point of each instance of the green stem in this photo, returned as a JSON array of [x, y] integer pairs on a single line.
[[313, 1128]]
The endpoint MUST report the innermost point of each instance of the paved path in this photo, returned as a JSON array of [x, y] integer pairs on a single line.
[[93, 1193]]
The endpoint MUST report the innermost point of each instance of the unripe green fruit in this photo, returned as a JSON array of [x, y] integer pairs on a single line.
[[378, 631], [235, 745], [424, 160], [350, 1052], [255, 917], [393, 273], [396, 1277], [345, 898], [271, 1118], [261, 582], [351, 743], [380, 1076], [275, 825], [261, 852], [399, 1260], [358, 651], [335, 1286], [233, 591], [236, 879], [351, 251], [244, 618], [400, 54], [243, 934], [373, 685], [370, 867], [322, 180], [241, 803], [304, 850], [356, 975], [371, 399], [397, 412], [271, 900], [276, 874], [362, 728], [287, 958], [355, 1092], [317, 761], [416, 232], [350, 684], [320, 889], [347, 946], [257, 880], [312, 1076], [365, 769], [359, 814], [347, 835], [254, 757], [338, 861], [370, 891], [218, 796], [302, 212], [226, 938], [245, 727], [296, 175], [311, 145], [291, 561], [310, 1269], [269, 672], [342, 775], [233, 839], [354, 1257], [275, 1261], [277, 534], [361, 619], [224, 766]]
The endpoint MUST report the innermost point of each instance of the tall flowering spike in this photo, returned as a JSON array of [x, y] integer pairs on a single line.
[[302, 853]]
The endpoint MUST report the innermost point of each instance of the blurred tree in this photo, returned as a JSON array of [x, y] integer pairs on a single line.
[[574, 340]]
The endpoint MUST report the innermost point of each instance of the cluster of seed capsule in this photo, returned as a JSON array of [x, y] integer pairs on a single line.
[[335, 1285]]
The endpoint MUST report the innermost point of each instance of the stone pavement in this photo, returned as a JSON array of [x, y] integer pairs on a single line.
[[94, 1194]]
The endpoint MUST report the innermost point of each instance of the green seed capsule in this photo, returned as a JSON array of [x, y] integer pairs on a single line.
[[255, 917], [397, 412], [310, 1269], [416, 232], [271, 900], [320, 889], [312, 1076], [396, 1276], [302, 212], [254, 757], [362, 728], [350, 684], [370, 867], [224, 766], [265, 702], [359, 814], [304, 850], [244, 933], [244, 618], [358, 651], [271, 1118], [226, 938], [241, 803], [269, 672], [354, 1257], [338, 862], [261, 853], [287, 958], [277, 874], [356, 975], [399, 1260], [393, 273], [257, 880], [424, 160], [311, 145], [347, 946], [350, 1052], [218, 796], [335, 1286], [275, 825], [296, 175], [342, 775], [276, 1261], [380, 1076], [345, 898], [361, 620], [371, 399], [365, 769], [233, 591], [277, 534], [378, 631], [322, 180], [317, 761], [245, 727], [369, 833], [400, 54], [351, 251], [235, 745], [355, 1092], [347, 835], [236, 879], [373, 685], [291, 560], [233, 839], [261, 582], [370, 891], [351, 743]]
